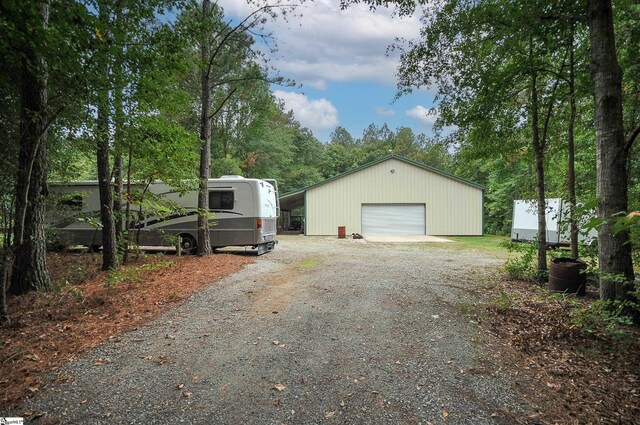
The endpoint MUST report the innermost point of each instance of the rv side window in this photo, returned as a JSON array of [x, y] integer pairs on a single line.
[[221, 200], [71, 202]]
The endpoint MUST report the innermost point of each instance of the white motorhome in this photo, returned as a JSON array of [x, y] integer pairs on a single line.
[[244, 211], [524, 226]]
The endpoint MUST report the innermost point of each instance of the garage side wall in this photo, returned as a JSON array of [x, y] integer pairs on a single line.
[[452, 207]]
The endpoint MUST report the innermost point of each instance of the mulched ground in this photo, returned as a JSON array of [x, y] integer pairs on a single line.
[[569, 374], [89, 306]]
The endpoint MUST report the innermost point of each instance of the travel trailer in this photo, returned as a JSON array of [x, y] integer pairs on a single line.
[[524, 226], [244, 214]]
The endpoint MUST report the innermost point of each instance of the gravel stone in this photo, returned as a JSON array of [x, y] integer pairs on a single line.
[[356, 332]]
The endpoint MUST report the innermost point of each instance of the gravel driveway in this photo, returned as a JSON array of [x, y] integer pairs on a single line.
[[317, 331]]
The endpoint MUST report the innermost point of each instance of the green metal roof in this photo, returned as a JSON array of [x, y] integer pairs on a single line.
[[383, 159]]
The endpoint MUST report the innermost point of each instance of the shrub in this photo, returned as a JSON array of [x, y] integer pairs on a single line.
[[610, 319], [521, 266]]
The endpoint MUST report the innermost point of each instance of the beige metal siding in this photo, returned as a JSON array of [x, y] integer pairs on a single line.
[[452, 207]]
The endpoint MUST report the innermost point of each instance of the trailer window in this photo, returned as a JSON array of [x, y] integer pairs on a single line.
[[221, 200], [70, 202]]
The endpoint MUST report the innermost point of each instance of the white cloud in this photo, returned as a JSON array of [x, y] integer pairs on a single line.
[[427, 117], [316, 84], [326, 43], [385, 112], [315, 114]]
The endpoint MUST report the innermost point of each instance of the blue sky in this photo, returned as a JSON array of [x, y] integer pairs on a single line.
[[339, 58]]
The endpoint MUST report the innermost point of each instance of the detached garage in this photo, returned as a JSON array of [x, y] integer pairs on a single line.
[[393, 195]]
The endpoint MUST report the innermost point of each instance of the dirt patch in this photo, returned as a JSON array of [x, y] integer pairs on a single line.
[[90, 306], [570, 375]]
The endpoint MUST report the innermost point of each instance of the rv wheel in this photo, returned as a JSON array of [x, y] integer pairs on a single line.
[[188, 244]]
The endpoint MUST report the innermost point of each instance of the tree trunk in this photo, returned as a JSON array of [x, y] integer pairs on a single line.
[[614, 250], [7, 260], [29, 271], [109, 248], [127, 213], [4, 275], [118, 123], [117, 196], [4, 270], [571, 178], [538, 149], [204, 243]]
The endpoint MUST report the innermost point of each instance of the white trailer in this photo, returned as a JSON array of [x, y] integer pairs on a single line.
[[524, 226], [244, 211]]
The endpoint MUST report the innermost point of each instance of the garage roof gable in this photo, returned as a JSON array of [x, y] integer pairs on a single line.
[[383, 159]]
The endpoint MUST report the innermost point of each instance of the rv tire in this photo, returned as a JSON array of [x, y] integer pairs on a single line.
[[188, 244]]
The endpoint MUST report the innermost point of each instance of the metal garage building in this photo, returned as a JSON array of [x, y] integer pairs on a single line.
[[392, 195]]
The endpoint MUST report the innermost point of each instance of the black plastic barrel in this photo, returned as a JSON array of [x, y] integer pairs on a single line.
[[566, 275]]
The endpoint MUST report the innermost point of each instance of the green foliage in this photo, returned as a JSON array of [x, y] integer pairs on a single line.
[[94, 222], [226, 166], [503, 301], [611, 319], [135, 274], [66, 289], [521, 265], [161, 149]]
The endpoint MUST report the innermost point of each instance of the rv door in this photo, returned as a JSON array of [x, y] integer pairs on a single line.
[[274, 183]]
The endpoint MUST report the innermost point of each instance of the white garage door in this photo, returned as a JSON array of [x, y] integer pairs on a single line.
[[393, 219]]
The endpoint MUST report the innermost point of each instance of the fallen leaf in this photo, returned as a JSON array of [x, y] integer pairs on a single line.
[[276, 402], [34, 389], [180, 386], [445, 414], [186, 394], [342, 403], [33, 357], [167, 336], [293, 412], [278, 387], [99, 362], [147, 357], [328, 415], [275, 342]]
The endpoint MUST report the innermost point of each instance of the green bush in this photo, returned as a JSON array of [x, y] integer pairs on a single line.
[[133, 274], [611, 319], [521, 265]]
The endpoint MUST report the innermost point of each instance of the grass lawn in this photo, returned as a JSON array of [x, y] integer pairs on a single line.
[[488, 243]]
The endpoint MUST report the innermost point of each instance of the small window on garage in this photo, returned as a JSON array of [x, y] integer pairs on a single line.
[[221, 200]]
